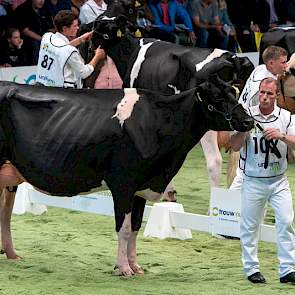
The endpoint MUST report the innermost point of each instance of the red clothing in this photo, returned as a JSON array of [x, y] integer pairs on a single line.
[[165, 10]]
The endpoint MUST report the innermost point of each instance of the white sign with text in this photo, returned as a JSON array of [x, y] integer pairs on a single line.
[[225, 211]]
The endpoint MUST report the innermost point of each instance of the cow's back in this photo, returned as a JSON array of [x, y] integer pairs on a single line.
[[161, 67]]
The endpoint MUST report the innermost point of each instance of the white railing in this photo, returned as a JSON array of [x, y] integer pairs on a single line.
[[101, 203]]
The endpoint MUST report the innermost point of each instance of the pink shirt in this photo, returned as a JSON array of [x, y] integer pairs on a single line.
[[108, 77]]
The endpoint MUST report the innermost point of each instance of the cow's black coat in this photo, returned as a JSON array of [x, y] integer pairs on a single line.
[[65, 141]]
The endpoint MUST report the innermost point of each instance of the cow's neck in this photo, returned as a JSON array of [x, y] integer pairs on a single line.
[[124, 54]]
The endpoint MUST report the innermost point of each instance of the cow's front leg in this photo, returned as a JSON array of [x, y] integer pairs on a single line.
[[124, 235], [6, 206]]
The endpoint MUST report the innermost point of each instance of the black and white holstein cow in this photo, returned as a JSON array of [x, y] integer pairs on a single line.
[[67, 141], [170, 68]]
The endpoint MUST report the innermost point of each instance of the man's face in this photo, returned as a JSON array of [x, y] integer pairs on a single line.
[[37, 4], [71, 31], [278, 66], [267, 97]]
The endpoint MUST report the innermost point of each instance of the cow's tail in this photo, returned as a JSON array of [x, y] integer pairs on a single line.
[[12, 91]]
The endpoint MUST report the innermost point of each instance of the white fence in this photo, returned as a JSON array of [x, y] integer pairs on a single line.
[[102, 203]]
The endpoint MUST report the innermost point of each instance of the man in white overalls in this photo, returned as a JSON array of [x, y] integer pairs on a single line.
[[264, 151], [60, 63]]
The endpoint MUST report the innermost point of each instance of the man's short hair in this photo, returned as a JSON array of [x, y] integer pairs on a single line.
[[270, 80], [273, 52], [64, 18]]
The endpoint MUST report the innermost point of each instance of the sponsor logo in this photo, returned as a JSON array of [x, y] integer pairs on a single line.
[[30, 80], [45, 46], [224, 213]]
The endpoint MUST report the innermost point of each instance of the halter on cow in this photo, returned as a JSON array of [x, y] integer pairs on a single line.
[[65, 141]]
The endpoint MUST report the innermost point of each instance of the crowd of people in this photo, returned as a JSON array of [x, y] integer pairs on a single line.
[[226, 24]]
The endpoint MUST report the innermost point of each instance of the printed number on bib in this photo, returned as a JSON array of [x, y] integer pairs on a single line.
[[262, 145], [47, 62]]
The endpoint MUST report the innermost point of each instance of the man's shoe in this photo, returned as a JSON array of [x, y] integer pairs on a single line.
[[289, 278], [257, 278]]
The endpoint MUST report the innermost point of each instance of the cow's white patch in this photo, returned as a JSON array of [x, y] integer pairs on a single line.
[[214, 54], [108, 18], [149, 195], [139, 60], [176, 91], [126, 105]]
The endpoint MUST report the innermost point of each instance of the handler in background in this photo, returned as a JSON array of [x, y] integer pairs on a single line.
[[275, 64], [264, 151], [60, 63]]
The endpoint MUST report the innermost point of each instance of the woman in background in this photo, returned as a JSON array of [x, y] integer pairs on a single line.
[[11, 51]]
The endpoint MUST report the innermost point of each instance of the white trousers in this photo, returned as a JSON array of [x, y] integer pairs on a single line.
[[238, 180], [255, 193]]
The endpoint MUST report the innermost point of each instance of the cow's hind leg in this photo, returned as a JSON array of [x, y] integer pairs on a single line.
[[124, 235], [136, 220], [213, 156], [6, 206]]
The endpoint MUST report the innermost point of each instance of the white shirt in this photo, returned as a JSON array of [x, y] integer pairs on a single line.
[[67, 67], [90, 10], [249, 95], [257, 158]]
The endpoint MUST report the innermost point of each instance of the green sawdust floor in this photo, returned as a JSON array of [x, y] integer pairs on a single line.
[[68, 252]]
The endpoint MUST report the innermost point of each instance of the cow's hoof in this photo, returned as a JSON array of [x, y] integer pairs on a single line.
[[10, 254], [137, 269], [123, 271]]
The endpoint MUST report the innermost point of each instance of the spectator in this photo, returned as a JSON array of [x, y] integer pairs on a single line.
[[3, 11], [16, 3], [60, 64], [11, 52], [267, 15], [54, 6], [76, 5], [206, 20], [165, 13], [90, 10], [33, 22], [288, 11], [264, 149], [275, 64], [108, 76], [228, 27], [241, 13]]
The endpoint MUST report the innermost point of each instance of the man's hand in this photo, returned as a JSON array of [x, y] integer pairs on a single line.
[[192, 37], [272, 133], [100, 53], [86, 37]]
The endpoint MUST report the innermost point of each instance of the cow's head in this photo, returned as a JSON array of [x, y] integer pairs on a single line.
[[220, 107], [109, 30]]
